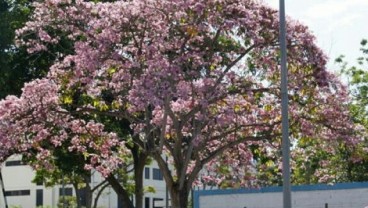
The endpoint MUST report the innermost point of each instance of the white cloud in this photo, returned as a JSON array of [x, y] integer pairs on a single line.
[[339, 25], [272, 3], [345, 21], [333, 8]]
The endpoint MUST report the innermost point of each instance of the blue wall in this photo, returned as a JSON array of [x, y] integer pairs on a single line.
[[338, 186]]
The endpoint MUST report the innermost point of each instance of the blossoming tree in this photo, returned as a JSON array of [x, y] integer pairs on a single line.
[[197, 81]]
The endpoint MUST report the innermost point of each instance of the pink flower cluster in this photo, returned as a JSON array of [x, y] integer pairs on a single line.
[[36, 123]]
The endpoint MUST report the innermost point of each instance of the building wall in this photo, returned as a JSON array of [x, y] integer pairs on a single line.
[[347, 195], [22, 192], [19, 188], [154, 179]]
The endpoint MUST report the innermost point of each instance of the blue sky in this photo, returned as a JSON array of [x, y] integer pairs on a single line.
[[339, 25]]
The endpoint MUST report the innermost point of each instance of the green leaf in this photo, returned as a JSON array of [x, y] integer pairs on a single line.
[[363, 42], [149, 189], [67, 99]]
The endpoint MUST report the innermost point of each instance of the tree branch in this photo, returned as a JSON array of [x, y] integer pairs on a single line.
[[99, 185], [233, 143]]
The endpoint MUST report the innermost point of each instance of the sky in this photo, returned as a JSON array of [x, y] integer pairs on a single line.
[[339, 25]]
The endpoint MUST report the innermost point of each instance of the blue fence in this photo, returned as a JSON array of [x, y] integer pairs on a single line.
[[318, 187]]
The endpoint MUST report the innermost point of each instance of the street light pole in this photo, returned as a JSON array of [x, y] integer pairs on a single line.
[[284, 111], [166, 189]]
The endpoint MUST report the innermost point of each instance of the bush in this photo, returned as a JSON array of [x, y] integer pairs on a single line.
[[70, 202]]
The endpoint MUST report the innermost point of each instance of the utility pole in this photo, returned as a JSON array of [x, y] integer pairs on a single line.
[[166, 190], [284, 111]]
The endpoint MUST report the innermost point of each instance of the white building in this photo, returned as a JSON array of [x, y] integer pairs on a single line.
[[20, 191]]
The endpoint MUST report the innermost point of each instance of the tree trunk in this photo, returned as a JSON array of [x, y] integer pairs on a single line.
[[120, 191], [179, 195], [89, 196], [138, 187], [77, 195], [139, 164], [88, 192], [179, 198]]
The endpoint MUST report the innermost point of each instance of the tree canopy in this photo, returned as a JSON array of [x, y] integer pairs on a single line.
[[197, 81]]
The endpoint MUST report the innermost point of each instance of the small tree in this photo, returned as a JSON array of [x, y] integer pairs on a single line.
[[67, 202], [356, 167]]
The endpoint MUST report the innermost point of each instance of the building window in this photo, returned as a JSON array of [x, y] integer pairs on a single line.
[[146, 173], [146, 202], [82, 196], [157, 174], [18, 193], [14, 163], [158, 203], [67, 191], [39, 197]]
